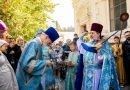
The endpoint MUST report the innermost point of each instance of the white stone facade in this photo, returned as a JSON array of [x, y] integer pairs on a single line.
[[87, 12]]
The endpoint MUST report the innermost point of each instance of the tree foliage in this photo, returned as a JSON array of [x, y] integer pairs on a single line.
[[24, 17]]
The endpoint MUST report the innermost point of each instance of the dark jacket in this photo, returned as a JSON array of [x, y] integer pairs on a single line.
[[126, 51], [75, 39], [126, 59], [65, 54], [14, 58]]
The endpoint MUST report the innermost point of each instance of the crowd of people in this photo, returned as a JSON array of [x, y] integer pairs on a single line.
[[84, 63]]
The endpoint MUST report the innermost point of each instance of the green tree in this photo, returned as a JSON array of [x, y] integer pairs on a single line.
[[24, 17]]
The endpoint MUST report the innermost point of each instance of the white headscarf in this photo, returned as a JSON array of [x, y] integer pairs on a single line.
[[2, 42]]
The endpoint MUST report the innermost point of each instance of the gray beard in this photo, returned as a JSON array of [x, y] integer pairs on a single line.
[[44, 45]]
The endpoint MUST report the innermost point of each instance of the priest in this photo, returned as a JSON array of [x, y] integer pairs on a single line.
[[31, 64]]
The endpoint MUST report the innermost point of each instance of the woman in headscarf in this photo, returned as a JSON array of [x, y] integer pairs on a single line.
[[7, 76]]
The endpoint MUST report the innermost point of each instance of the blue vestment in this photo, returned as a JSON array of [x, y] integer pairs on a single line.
[[105, 70], [47, 79], [31, 66]]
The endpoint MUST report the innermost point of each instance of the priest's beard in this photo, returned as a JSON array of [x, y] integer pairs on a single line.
[[44, 44], [128, 38]]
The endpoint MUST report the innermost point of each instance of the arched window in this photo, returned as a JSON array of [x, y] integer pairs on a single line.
[[116, 8]]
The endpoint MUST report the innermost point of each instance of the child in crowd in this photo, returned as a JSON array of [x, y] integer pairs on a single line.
[[72, 67]]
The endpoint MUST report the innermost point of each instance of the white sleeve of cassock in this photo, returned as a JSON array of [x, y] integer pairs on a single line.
[[80, 48]]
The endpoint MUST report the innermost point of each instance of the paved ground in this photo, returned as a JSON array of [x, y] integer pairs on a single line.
[[61, 83], [61, 86], [126, 88]]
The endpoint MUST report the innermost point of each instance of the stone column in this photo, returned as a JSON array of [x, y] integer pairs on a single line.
[[128, 10]]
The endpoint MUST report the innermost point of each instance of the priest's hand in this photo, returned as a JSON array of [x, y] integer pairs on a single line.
[[52, 63], [98, 46], [84, 33], [49, 63]]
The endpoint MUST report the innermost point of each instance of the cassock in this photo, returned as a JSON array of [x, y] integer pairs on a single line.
[[30, 66], [96, 71]]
